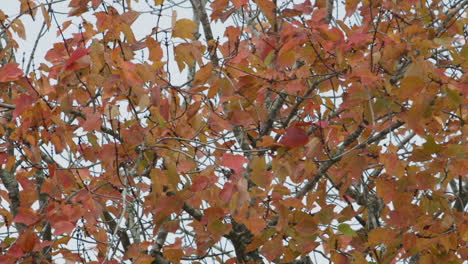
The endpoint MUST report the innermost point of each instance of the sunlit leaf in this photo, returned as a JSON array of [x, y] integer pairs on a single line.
[[184, 28]]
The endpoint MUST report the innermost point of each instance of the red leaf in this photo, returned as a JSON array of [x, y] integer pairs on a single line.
[[358, 38], [76, 55], [226, 192], [294, 137], [21, 103], [62, 227], [93, 122], [200, 183], [65, 178], [15, 251], [26, 216], [10, 72], [231, 261], [234, 162], [321, 124]]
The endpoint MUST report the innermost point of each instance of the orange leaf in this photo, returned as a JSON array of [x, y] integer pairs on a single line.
[[184, 28], [26, 216], [239, 3], [273, 249], [46, 15], [200, 183], [18, 27], [95, 3], [174, 251], [28, 7], [268, 9], [65, 25], [27, 241], [339, 258]]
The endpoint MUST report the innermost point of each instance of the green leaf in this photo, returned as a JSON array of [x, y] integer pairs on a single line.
[[346, 230], [431, 147]]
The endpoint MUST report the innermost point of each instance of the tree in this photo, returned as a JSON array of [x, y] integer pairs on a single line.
[[253, 132]]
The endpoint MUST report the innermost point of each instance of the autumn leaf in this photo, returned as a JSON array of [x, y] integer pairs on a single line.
[[235, 162], [62, 227], [46, 15], [184, 28], [10, 72], [239, 3], [95, 3], [272, 249], [294, 137], [174, 251], [74, 57], [26, 216], [227, 192], [22, 103], [313, 147], [339, 258], [93, 122], [346, 230], [233, 131], [259, 176], [268, 8], [200, 183], [28, 241]]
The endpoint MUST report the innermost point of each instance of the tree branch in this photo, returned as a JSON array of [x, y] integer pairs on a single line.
[[324, 168], [200, 12]]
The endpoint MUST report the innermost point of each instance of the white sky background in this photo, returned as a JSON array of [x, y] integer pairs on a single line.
[[141, 28]]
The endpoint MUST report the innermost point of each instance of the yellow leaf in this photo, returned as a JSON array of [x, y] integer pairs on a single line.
[[18, 28], [410, 86], [128, 33], [184, 28], [158, 2], [258, 175]]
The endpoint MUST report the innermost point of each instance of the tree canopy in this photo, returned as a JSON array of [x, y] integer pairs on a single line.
[[240, 131]]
